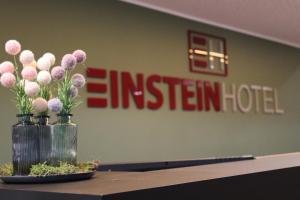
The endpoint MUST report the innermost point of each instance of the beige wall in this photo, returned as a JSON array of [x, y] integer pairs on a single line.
[[125, 37]]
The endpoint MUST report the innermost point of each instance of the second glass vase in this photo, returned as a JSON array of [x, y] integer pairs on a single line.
[[45, 139]]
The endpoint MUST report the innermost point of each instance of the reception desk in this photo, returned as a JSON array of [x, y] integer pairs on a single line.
[[266, 177]]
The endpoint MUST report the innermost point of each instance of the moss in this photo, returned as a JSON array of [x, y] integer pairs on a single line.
[[43, 169], [6, 170], [63, 169]]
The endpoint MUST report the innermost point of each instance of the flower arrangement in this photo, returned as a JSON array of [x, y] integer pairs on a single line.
[[41, 86], [34, 85]]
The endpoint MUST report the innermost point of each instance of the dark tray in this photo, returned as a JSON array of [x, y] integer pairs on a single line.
[[47, 179]]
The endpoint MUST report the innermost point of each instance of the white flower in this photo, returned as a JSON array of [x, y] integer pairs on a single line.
[[43, 77], [32, 89], [51, 57], [43, 63], [26, 57]]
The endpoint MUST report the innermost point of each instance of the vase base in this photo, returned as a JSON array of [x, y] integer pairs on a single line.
[[47, 179]]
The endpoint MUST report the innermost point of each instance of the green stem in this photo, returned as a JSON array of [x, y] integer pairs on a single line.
[[17, 69]]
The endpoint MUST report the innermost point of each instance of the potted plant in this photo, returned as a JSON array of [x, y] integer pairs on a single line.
[[64, 132], [40, 142]]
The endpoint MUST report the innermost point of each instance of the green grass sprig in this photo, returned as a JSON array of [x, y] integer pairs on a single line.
[[23, 102], [45, 92], [64, 95]]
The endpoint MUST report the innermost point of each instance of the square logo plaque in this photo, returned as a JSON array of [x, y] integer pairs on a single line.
[[207, 54]]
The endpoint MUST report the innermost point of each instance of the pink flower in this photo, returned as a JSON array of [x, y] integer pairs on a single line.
[[40, 105], [26, 57], [32, 89], [12, 47], [58, 73], [55, 105], [78, 80], [73, 92], [7, 66], [43, 77], [8, 80], [43, 63], [29, 73], [50, 57], [68, 62], [79, 55]]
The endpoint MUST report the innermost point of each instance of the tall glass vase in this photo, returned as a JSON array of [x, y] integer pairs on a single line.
[[45, 139], [64, 141], [25, 139]]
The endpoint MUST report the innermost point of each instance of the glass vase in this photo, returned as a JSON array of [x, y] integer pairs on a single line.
[[64, 141], [45, 140], [25, 139]]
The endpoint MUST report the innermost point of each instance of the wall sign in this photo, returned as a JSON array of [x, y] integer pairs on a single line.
[[207, 55]]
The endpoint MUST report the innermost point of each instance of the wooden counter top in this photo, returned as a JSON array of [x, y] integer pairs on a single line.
[[105, 184]]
